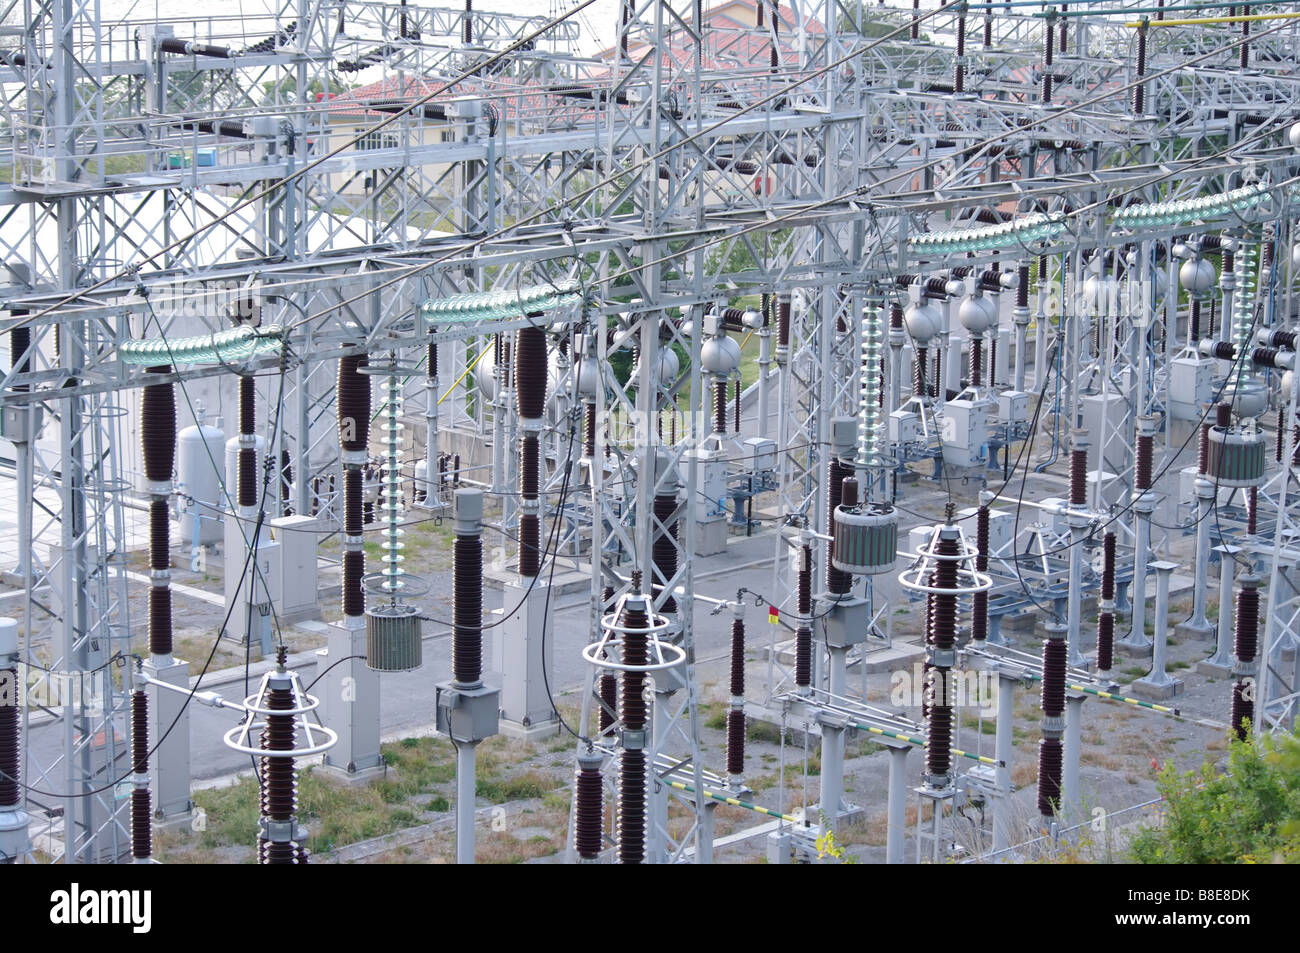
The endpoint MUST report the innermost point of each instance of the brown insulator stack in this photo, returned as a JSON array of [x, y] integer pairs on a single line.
[[141, 807], [976, 354], [720, 406], [837, 582], [607, 687], [736, 714], [1050, 752], [803, 634], [530, 399], [919, 387], [959, 61], [158, 436], [467, 609], [979, 627], [635, 621], [1144, 457], [1106, 617], [1140, 90], [1049, 47], [354, 434], [782, 324], [277, 838], [589, 807], [664, 548], [1245, 648], [942, 612]]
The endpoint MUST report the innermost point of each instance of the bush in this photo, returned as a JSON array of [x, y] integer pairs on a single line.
[[1249, 814]]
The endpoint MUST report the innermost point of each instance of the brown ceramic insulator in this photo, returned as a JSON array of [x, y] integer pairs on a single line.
[[803, 656], [938, 734], [1050, 761], [431, 360], [590, 445], [943, 614], [1195, 320], [467, 609], [979, 628], [1108, 566], [139, 732], [1105, 641], [976, 355], [158, 430], [849, 493], [664, 548], [631, 806], [1223, 415], [141, 824], [1246, 633], [530, 467], [783, 320], [353, 403], [735, 742], [10, 750], [720, 406], [803, 583], [247, 477], [896, 316], [919, 387], [1078, 477], [352, 524], [632, 763], [1143, 467], [159, 535], [1022, 286], [1203, 450], [530, 546], [1140, 91], [1054, 663], [1252, 510], [160, 620], [354, 599], [837, 581], [530, 373], [589, 813], [737, 685]]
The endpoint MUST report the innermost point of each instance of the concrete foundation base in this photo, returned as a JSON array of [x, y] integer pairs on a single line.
[[1157, 691], [1195, 633]]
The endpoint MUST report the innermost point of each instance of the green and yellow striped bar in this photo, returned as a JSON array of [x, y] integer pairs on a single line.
[[913, 740], [1122, 698], [735, 802]]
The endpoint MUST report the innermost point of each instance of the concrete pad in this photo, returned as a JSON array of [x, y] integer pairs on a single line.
[[1196, 633], [1157, 691]]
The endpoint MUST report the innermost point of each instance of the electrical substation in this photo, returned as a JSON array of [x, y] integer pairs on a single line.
[[641, 431]]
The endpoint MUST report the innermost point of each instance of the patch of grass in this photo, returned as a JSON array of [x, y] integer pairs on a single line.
[[1175, 666], [763, 732], [714, 715], [529, 784], [1133, 671], [986, 727]]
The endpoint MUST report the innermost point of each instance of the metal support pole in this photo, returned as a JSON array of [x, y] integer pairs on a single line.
[[896, 813], [1002, 747], [1071, 795], [1220, 663], [466, 793]]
